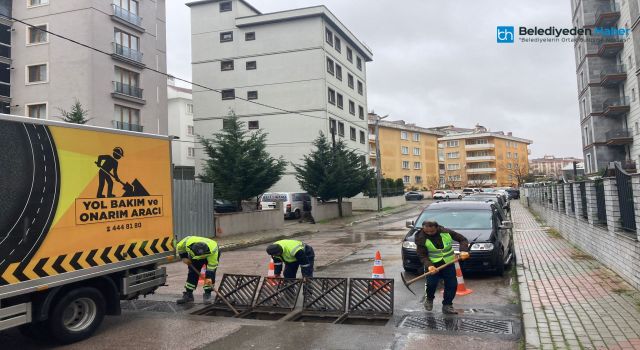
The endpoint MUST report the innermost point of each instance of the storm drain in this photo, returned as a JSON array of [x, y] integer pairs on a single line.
[[454, 324], [151, 305]]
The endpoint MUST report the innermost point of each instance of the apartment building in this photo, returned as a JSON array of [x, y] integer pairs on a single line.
[[608, 94], [304, 62], [407, 152], [180, 105], [551, 166], [42, 73], [480, 158]]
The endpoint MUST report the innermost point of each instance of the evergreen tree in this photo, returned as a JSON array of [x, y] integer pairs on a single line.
[[239, 165], [77, 115]]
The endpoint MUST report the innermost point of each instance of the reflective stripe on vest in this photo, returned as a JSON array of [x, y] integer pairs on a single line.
[[445, 254], [212, 258], [289, 249]]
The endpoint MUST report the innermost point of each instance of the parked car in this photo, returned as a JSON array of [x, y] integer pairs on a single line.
[[502, 201], [413, 195], [293, 203], [468, 191], [224, 206], [514, 193], [448, 194], [489, 233], [495, 199]]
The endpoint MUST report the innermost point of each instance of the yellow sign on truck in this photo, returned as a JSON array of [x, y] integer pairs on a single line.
[[85, 218]]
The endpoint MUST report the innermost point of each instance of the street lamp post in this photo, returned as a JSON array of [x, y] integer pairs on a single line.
[[378, 161]]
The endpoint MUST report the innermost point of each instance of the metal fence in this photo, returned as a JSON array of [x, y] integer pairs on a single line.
[[625, 198], [602, 211], [193, 209], [573, 204], [583, 199]]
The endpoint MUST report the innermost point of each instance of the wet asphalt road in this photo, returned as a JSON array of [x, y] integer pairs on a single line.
[[347, 252]]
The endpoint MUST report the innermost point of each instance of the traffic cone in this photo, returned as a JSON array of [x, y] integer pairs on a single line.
[[462, 290], [203, 272], [271, 273], [378, 268]]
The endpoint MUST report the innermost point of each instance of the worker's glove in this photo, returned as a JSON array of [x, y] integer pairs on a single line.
[[432, 269], [464, 256], [209, 282], [186, 261]]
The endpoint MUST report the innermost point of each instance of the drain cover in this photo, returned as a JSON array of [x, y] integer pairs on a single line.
[[150, 305], [454, 324]]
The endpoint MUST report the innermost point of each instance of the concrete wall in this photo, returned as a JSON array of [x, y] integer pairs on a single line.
[[372, 203], [328, 211], [618, 250], [236, 223]]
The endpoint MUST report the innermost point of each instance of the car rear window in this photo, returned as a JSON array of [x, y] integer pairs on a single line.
[[458, 219]]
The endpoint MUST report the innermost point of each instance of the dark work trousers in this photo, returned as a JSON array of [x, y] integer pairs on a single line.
[[104, 178], [291, 269], [193, 277], [448, 274]]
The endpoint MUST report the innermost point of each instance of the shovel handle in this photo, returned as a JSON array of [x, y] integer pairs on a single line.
[[431, 273]]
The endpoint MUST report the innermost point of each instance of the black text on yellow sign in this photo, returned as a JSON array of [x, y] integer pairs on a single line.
[[99, 210]]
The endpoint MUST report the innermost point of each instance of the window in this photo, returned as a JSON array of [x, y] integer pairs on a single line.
[[252, 95], [359, 63], [416, 136], [226, 37], [352, 107], [418, 179], [225, 6], [360, 87], [586, 135], [405, 164], [127, 118], [454, 178], [332, 125], [338, 72], [228, 94], [251, 65], [362, 137], [254, 124], [349, 55], [508, 155], [33, 3], [226, 65], [406, 179], [37, 35], [190, 130], [250, 36], [584, 107], [588, 163], [38, 111], [510, 177], [453, 166], [509, 166], [341, 129], [515, 156], [416, 151], [337, 44], [350, 80], [126, 41], [190, 108], [361, 112], [332, 96], [330, 66], [417, 165], [191, 152], [127, 82], [404, 135], [352, 132], [404, 150], [453, 143], [37, 73], [329, 37], [340, 101], [453, 155]]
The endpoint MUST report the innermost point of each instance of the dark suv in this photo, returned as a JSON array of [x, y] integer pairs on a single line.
[[489, 233]]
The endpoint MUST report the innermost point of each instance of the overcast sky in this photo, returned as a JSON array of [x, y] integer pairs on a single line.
[[438, 63]]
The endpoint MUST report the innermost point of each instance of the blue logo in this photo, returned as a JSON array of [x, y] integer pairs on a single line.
[[506, 35]]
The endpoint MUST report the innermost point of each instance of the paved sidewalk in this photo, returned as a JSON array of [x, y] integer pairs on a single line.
[[569, 300]]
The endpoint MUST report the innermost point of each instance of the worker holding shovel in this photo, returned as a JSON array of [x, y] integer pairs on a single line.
[[435, 249], [108, 168], [197, 252]]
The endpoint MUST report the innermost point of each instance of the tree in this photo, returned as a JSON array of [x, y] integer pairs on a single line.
[[432, 182], [518, 173], [333, 172], [454, 179], [238, 163], [77, 115]]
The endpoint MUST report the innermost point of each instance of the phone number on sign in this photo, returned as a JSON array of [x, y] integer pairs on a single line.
[[124, 227]]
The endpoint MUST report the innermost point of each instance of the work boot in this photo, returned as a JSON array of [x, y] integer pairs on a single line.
[[449, 310], [207, 296], [428, 304], [187, 297]]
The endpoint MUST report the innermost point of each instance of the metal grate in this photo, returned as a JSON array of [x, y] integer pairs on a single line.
[[625, 198], [239, 290], [369, 296], [325, 295], [454, 324], [151, 305], [279, 293]]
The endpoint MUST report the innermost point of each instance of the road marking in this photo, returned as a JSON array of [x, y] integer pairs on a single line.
[[38, 136], [45, 179], [32, 221], [41, 200], [2, 262], [12, 252], [38, 212], [42, 147], [20, 242], [44, 189]]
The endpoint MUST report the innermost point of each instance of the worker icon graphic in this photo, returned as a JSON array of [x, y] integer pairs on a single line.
[[108, 171]]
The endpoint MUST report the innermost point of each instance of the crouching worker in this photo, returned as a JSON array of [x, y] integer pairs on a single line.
[[197, 252], [292, 254]]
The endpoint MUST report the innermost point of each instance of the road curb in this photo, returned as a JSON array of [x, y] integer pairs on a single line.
[[270, 239]]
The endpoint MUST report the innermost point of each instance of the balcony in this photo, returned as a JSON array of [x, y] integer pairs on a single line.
[[440, 158], [127, 18], [613, 107], [372, 138], [613, 76], [481, 182], [480, 170], [372, 154], [479, 146], [128, 55], [610, 47], [619, 137], [126, 126], [442, 171], [480, 158], [607, 15], [127, 92]]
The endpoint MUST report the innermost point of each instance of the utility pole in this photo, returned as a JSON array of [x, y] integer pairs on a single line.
[[378, 161]]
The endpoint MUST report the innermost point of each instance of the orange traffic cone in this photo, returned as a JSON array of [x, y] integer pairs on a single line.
[[202, 274], [462, 290], [271, 272], [378, 268]]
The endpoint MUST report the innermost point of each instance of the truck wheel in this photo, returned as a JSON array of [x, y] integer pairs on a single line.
[[76, 315]]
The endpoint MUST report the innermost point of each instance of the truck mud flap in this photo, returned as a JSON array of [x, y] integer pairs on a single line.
[[145, 281]]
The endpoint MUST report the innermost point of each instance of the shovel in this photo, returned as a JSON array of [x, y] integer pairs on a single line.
[[217, 292], [412, 281]]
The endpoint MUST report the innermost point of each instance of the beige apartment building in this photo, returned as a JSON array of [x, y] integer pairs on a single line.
[[550, 166]]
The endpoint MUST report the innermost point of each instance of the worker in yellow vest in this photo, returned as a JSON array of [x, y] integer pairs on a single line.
[[198, 252], [434, 245], [292, 254]]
